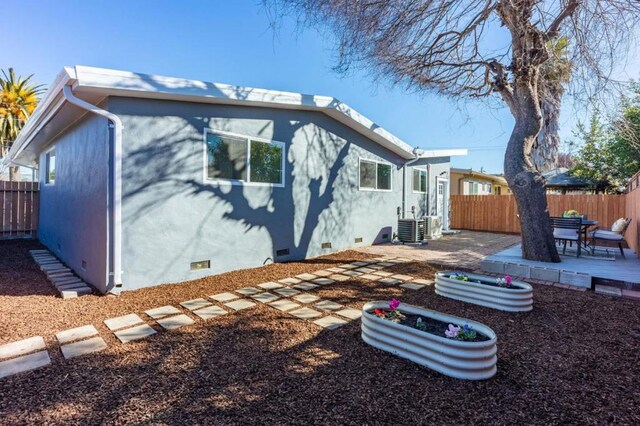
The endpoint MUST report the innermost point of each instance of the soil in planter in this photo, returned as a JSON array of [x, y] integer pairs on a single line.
[[489, 283], [436, 327]]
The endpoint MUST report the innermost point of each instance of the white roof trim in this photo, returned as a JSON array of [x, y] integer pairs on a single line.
[[444, 153], [109, 82]]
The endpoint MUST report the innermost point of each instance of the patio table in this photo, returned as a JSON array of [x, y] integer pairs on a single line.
[[586, 224]]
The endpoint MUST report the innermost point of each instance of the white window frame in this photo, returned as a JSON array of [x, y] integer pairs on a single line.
[[249, 139], [47, 155], [426, 178], [360, 188]]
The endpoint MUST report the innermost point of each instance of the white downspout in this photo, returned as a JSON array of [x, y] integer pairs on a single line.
[[115, 275], [405, 178]]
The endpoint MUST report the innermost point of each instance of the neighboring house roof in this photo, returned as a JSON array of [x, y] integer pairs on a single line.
[[53, 114], [470, 173], [565, 180]]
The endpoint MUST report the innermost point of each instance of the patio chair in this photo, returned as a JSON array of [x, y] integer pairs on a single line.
[[615, 235], [568, 229]]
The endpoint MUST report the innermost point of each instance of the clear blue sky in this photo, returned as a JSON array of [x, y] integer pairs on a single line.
[[231, 42]]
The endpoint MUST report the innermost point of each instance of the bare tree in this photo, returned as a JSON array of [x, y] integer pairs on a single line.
[[450, 47]]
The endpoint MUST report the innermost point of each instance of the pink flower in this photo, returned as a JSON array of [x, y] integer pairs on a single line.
[[393, 305], [507, 279], [452, 332]]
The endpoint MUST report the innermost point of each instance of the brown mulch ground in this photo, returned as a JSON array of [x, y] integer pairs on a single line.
[[573, 360]]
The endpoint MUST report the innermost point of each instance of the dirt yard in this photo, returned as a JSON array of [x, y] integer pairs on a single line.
[[573, 360]]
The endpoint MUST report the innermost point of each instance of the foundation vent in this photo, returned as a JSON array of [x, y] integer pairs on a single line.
[[282, 252], [201, 264], [385, 236], [358, 239], [326, 245]]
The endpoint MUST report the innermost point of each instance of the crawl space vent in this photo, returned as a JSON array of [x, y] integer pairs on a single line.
[[326, 245], [202, 264], [358, 240], [282, 252]]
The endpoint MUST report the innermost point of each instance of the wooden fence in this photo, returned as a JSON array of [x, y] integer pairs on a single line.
[[498, 213], [18, 209], [633, 211]]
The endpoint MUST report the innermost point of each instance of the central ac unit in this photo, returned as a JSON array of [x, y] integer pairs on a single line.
[[410, 230], [433, 227]]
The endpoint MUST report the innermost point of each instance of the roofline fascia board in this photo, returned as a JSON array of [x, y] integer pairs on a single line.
[[444, 153]]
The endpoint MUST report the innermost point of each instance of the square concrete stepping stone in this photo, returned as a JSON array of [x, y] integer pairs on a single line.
[[402, 277], [339, 277], [349, 313], [375, 266], [306, 313], [265, 297], [123, 321], [210, 312], [306, 277], [176, 321], [327, 305], [194, 304], [386, 264], [369, 277], [239, 305], [330, 322], [163, 311], [352, 273], [136, 333], [224, 297], [389, 281], [421, 281], [76, 292], [290, 281], [284, 305], [383, 273], [77, 333], [24, 363], [64, 279], [347, 266], [323, 281], [22, 347], [336, 270], [306, 298], [365, 270], [361, 263], [322, 273], [72, 286], [306, 286], [270, 286], [248, 291], [72, 350], [286, 292], [412, 286]]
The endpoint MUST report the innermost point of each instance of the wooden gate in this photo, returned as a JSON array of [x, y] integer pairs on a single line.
[[18, 209]]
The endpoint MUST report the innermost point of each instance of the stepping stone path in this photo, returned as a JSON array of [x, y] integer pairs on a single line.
[[284, 305], [128, 328], [290, 281], [122, 322], [83, 347], [306, 313], [238, 305], [349, 313], [194, 304], [389, 281], [369, 277], [248, 291], [270, 286], [163, 311], [322, 273], [323, 281], [306, 277], [175, 321], [339, 277], [77, 333], [412, 286], [287, 292], [210, 312], [327, 305], [305, 286], [63, 278], [330, 322], [265, 297], [23, 355], [224, 297], [306, 298]]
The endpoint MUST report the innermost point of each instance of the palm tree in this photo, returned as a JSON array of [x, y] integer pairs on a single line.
[[18, 98], [557, 73]]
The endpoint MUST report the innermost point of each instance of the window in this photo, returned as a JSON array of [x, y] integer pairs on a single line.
[[50, 168], [243, 159], [419, 180], [375, 175]]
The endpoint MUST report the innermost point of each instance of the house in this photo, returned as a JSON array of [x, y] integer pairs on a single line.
[[560, 181], [470, 182], [148, 179]]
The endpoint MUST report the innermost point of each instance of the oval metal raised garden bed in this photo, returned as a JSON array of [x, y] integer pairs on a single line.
[[454, 358], [519, 298]]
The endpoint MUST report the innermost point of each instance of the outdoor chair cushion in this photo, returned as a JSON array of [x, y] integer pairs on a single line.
[[565, 234], [619, 225], [606, 235]]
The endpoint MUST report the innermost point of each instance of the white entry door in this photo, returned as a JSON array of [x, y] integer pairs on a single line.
[[441, 199]]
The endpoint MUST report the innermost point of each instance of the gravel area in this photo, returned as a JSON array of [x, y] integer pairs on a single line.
[[573, 360]]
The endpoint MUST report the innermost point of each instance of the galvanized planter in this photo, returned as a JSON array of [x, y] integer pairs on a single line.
[[454, 358], [518, 299]]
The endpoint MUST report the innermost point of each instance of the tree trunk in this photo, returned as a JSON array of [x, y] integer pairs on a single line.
[[545, 152], [14, 174], [525, 182]]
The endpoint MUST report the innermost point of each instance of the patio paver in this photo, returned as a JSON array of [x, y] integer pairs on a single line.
[[247, 291], [24, 363], [327, 305], [77, 333], [284, 305], [265, 297], [194, 304], [135, 333], [305, 313], [336, 270], [238, 305], [339, 277], [422, 281], [330, 322], [21, 347], [323, 281], [122, 322], [305, 298], [270, 285], [210, 312], [162, 311], [352, 273], [412, 286], [322, 273], [365, 270], [306, 277], [83, 347], [290, 281], [176, 321], [286, 292], [402, 277], [349, 313], [389, 281], [369, 277], [383, 273], [305, 286], [224, 297]]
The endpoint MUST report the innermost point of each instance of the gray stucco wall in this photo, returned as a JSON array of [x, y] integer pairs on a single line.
[[438, 168], [73, 210], [173, 216]]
